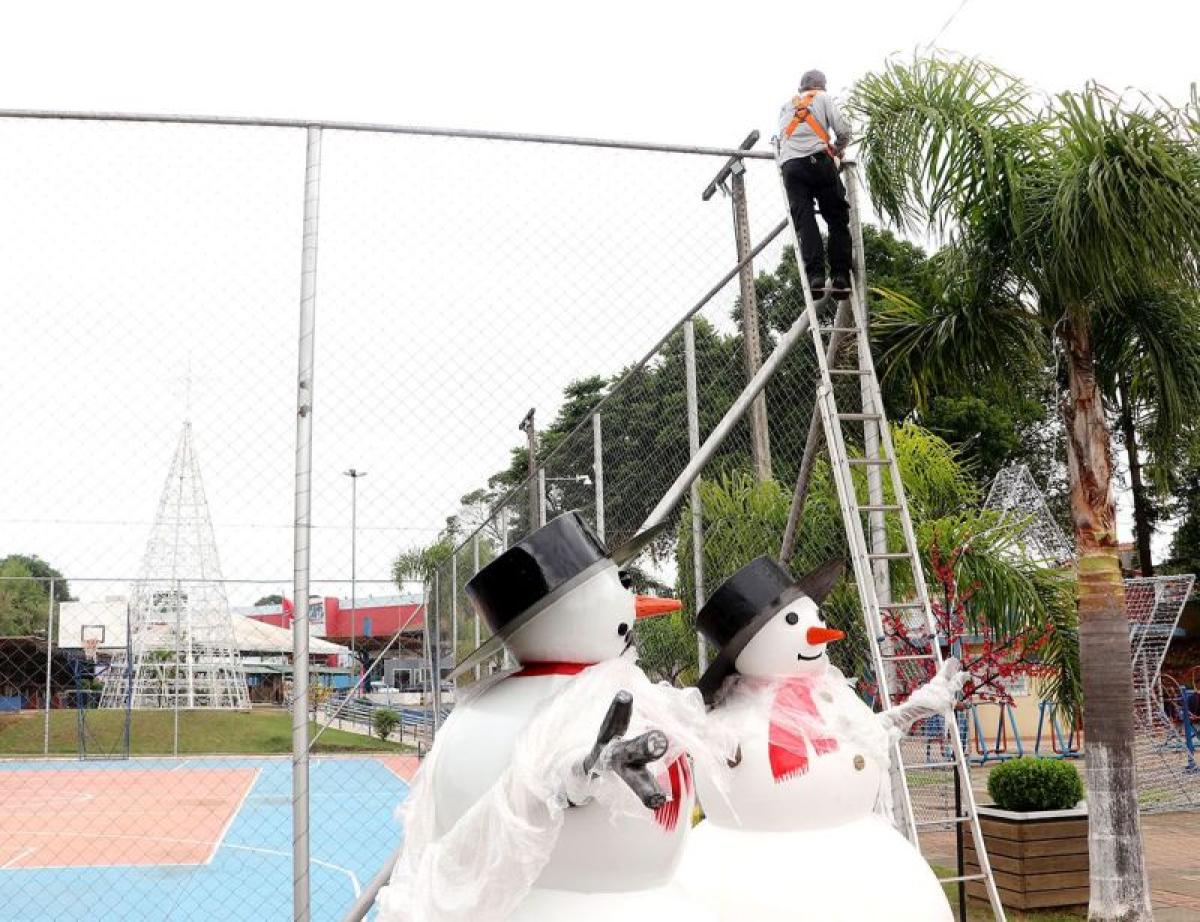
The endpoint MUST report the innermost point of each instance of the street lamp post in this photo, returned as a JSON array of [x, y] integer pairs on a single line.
[[354, 474]]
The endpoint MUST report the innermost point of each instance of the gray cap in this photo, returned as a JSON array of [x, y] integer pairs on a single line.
[[812, 80]]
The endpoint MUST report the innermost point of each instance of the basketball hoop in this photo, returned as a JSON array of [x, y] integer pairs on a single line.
[[91, 647]]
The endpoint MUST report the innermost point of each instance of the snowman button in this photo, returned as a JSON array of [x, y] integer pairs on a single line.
[[859, 763]]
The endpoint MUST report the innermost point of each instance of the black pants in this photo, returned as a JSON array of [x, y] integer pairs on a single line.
[[816, 177]]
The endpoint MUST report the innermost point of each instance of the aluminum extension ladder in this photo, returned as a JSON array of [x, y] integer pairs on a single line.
[[869, 552]]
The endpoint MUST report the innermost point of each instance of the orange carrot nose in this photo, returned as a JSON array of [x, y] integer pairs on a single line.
[[820, 635], [651, 606]]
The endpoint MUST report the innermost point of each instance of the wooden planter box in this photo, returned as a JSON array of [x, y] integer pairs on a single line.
[[1039, 859]]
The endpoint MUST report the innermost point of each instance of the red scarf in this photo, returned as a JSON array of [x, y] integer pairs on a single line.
[[529, 670], [793, 709], [679, 779]]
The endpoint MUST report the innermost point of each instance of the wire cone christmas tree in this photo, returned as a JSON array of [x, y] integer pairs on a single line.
[[184, 654]]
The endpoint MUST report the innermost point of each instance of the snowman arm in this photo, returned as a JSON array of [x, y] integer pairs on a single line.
[[937, 696], [626, 758]]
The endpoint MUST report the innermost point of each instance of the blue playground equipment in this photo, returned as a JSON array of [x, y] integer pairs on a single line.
[[995, 749], [1062, 746], [1189, 705]]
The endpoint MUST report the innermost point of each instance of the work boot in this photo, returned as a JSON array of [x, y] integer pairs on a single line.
[[816, 284], [840, 287]]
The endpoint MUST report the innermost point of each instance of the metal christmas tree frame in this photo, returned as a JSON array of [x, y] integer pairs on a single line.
[[183, 650]]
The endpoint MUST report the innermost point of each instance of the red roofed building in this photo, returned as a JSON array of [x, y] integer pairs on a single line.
[[372, 624]]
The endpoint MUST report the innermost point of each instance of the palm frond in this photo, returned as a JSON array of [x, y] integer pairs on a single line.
[[1120, 198], [945, 139]]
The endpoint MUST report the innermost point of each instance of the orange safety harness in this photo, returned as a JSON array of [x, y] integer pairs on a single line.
[[801, 105]]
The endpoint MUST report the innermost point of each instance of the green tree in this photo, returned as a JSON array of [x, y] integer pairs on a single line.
[[274, 599], [39, 569], [743, 519], [24, 599], [1057, 214]]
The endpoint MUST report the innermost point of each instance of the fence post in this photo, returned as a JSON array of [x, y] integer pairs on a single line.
[[693, 426], [541, 491], [598, 472], [49, 664], [475, 569], [454, 609], [301, 529], [435, 649], [760, 438]]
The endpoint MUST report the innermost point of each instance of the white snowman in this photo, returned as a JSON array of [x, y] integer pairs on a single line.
[[796, 823], [533, 803]]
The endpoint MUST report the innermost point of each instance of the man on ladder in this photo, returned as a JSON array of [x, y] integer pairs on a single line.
[[810, 162]]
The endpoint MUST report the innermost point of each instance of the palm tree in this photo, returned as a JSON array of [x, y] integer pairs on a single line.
[[1055, 213]]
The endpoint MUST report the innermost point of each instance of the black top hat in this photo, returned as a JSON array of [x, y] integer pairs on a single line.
[[745, 602], [536, 571]]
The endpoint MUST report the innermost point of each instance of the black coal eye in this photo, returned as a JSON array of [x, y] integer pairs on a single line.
[[626, 579], [623, 629], [791, 617]]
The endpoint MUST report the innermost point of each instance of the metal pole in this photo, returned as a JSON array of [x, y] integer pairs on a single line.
[[735, 412], [435, 649], [354, 474], [175, 678], [302, 527], [760, 438], [454, 609], [474, 570], [532, 483], [693, 426], [541, 500], [734, 172], [312, 125], [598, 472], [49, 665]]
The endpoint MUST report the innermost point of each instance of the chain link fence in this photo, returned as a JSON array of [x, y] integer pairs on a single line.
[[149, 592]]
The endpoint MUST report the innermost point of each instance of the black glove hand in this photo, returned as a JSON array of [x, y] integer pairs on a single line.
[[629, 758]]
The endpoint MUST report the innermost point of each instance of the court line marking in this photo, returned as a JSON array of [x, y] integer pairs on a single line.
[[24, 853], [233, 815], [327, 864]]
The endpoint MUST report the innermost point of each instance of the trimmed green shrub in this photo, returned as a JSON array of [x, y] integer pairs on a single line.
[[1029, 783], [385, 720]]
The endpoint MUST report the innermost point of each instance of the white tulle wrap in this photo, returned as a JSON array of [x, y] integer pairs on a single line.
[[745, 701], [937, 696], [485, 865]]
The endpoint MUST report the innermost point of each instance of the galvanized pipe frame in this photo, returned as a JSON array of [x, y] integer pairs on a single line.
[[382, 128], [301, 896]]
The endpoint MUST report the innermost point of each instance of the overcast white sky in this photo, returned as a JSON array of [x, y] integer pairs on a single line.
[[139, 250]]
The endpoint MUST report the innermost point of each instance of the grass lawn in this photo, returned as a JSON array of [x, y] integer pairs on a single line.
[[263, 731], [978, 911]]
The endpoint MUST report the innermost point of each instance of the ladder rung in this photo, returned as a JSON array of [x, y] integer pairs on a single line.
[[864, 462], [961, 878], [849, 371], [905, 605], [880, 507], [891, 555], [952, 819], [924, 765], [896, 657], [838, 329], [861, 416]]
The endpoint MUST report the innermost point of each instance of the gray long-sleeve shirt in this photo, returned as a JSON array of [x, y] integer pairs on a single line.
[[804, 140]]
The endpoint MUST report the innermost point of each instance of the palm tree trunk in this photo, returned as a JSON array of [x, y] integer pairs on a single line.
[[1141, 510], [1119, 889]]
